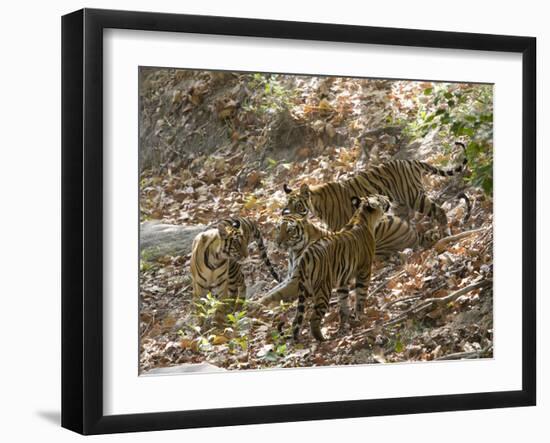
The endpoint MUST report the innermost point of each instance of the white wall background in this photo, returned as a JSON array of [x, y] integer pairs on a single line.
[[30, 218]]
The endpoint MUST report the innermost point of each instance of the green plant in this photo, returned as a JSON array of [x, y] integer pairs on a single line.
[[395, 343], [458, 112], [208, 306], [279, 348], [238, 328], [275, 96], [146, 260]]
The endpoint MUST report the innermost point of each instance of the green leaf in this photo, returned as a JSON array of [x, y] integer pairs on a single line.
[[398, 346], [486, 118], [456, 127], [428, 91], [271, 356]]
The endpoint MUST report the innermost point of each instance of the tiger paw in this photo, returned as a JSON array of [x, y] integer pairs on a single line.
[[316, 331], [356, 319], [344, 326], [295, 339]]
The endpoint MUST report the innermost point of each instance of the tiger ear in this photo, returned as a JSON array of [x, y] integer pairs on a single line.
[[304, 189], [286, 211], [287, 189], [236, 224], [355, 202]]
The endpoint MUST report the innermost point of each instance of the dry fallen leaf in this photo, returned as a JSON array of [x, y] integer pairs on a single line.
[[219, 340]]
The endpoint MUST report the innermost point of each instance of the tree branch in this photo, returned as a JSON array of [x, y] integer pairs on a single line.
[[442, 244], [420, 307], [466, 355]]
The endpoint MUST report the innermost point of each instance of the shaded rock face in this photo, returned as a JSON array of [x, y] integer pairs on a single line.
[[158, 239]]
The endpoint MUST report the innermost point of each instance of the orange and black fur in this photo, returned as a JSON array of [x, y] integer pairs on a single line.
[[332, 262], [216, 256], [400, 180], [296, 233]]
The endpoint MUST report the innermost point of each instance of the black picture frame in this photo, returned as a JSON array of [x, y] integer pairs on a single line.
[[82, 219]]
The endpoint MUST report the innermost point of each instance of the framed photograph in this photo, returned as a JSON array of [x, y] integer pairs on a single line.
[[269, 221]]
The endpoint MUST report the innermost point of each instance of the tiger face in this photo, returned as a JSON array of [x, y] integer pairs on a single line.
[[297, 201], [370, 208], [233, 242], [291, 232]]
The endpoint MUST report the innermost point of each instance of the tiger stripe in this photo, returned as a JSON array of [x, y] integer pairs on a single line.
[[331, 262], [400, 180], [252, 232]]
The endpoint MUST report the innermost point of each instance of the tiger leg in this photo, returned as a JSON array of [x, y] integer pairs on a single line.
[[343, 301], [236, 288], [361, 290], [320, 308], [303, 293], [425, 206], [241, 297], [198, 293], [221, 309], [227, 293]]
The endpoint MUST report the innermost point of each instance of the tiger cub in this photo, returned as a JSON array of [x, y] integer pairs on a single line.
[[331, 262], [400, 180], [215, 266], [392, 234], [252, 232], [215, 261], [295, 234]]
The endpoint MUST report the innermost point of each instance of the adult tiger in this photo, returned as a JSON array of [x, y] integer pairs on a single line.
[[331, 262], [400, 180], [393, 234], [296, 233], [215, 260]]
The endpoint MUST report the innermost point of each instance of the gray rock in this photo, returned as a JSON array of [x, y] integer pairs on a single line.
[[186, 368], [157, 239]]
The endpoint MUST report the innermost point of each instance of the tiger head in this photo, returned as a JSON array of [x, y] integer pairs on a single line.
[[291, 231], [233, 242], [369, 209], [297, 201]]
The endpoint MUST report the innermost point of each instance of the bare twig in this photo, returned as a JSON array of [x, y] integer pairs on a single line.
[[436, 301], [147, 327], [386, 281], [399, 300], [453, 296], [420, 307], [466, 355], [442, 244], [391, 130]]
